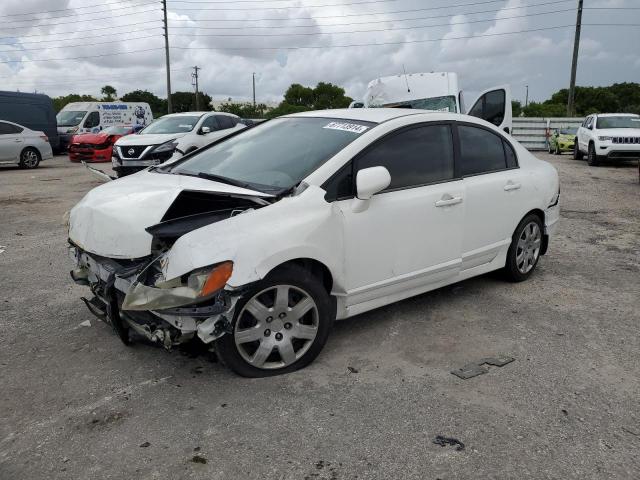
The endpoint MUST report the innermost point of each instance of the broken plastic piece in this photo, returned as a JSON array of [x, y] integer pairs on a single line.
[[444, 441], [474, 369]]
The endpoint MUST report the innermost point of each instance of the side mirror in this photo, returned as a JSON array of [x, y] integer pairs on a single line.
[[205, 130], [369, 181]]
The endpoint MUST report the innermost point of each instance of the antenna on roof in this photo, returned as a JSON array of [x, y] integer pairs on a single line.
[[406, 79]]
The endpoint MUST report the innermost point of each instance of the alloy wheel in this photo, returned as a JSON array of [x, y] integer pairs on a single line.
[[29, 158], [528, 249], [276, 327]]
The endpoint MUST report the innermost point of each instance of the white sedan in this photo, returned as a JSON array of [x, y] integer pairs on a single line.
[[21, 146], [256, 244]]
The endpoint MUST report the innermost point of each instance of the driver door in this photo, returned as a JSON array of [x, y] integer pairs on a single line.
[[494, 106]]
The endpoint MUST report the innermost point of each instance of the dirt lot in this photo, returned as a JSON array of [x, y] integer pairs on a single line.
[[77, 404]]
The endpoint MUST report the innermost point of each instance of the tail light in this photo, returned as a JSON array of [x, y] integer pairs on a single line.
[[45, 138]]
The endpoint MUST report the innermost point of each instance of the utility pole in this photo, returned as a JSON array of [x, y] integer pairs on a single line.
[[574, 63], [194, 82], [166, 54], [526, 100], [254, 90]]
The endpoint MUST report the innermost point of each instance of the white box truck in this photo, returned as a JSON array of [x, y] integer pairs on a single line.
[[92, 117]]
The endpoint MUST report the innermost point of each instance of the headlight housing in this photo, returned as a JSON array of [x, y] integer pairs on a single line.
[[188, 289], [72, 130], [166, 147], [605, 139]]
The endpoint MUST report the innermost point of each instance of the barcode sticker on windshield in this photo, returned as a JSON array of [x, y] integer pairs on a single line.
[[185, 125], [346, 127]]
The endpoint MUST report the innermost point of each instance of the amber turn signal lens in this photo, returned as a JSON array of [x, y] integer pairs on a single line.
[[217, 279]]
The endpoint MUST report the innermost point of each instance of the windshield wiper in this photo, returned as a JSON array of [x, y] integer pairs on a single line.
[[216, 178]]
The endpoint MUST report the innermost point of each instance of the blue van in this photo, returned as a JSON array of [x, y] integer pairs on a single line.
[[32, 110]]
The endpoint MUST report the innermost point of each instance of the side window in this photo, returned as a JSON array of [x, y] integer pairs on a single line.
[[93, 120], [481, 151], [490, 107], [340, 186], [476, 110], [210, 122], [512, 160], [5, 128], [225, 122], [414, 157]]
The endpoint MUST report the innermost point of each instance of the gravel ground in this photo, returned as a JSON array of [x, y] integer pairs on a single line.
[[77, 404]]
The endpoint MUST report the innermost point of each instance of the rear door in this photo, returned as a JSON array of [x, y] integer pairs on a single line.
[[494, 189], [494, 106], [11, 142]]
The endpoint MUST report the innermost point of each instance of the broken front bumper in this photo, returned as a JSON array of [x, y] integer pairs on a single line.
[[119, 294]]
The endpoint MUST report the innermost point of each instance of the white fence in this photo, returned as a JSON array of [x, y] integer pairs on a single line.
[[531, 131]]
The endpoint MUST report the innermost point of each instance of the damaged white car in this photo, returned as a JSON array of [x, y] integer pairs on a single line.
[[257, 243]]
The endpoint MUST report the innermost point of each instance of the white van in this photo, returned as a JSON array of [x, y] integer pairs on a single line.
[[92, 117], [439, 91]]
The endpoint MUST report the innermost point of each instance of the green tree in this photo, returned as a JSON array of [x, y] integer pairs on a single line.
[[516, 107], [544, 109], [299, 98], [244, 110], [60, 102], [186, 101], [108, 93], [158, 105]]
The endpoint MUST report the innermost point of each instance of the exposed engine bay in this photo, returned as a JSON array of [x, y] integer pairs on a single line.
[[132, 295]]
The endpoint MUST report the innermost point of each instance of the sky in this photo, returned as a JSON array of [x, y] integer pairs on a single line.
[[75, 46]]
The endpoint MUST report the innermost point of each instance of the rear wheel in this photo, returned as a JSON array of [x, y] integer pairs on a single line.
[[280, 325], [29, 158], [577, 154], [524, 251]]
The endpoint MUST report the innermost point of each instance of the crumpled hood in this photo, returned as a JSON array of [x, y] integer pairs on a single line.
[[148, 139], [90, 138], [111, 219]]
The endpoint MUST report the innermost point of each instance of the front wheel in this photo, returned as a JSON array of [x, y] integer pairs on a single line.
[[577, 154], [280, 325], [592, 158], [29, 158], [524, 250]]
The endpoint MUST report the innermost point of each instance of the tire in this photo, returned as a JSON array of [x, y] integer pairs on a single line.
[[30, 158], [525, 248], [549, 149], [259, 328], [557, 150], [592, 158], [577, 154]]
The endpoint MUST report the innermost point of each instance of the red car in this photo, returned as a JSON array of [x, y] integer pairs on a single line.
[[96, 147]]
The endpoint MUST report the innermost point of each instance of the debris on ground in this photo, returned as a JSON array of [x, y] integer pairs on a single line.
[[444, 441], [198, 459], [471, 370], [2, 248], [145, 444], [86, 323], [353, 370]]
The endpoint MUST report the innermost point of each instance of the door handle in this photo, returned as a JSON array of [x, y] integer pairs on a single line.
[[448, 200], [17, 140], [512, 186]]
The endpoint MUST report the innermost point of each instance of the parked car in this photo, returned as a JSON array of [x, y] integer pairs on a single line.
[[97, 147], [93, 117], [608, 136], [255, 244], [31, 110], [562, 140], [22, 146], [170, 137]]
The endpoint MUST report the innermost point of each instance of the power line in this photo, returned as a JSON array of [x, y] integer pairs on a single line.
[[85, 20], [79, 14], [63, 9], [377, 29], [79, 38], [430, 17], [83, 57], [290, 7], [110, 27], [413, 10], [73, 46]]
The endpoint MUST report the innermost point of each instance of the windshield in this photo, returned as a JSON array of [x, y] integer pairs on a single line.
[[70, 118], [568, 131], [439, 104], [275, 155], [618, 122], [177, 124], [117, 130]]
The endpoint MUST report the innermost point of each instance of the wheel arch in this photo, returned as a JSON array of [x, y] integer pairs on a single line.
[[545, 237], [315, 267]]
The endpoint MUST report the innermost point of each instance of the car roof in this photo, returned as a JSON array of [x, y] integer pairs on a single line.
[[377, 115], [180, 114], [14, 123], [616, 114]]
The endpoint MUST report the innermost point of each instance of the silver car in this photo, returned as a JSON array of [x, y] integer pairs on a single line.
[[22, 146]]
